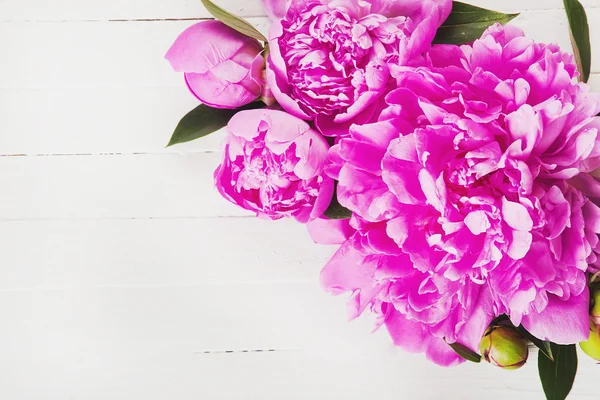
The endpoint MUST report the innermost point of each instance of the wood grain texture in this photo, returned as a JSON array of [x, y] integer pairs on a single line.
[[125, 276], [126, 55], [90, 10], [112, 186], [256, 341], [145, 252], [112, 79], [78, 10]]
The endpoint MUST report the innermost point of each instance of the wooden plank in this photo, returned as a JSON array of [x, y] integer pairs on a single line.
[[106, 54], [200, 342], [96, 120], [76, 10], [387, 374], [105, 94], [110, 120], [69, 10], [118, 279], [111, 186], [155, 252], [47, 55], [89, 319]]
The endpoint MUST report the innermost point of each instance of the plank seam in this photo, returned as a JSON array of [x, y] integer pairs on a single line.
[[181, 153], [173, 19], [244, 351], [160, 218], [117, 20]]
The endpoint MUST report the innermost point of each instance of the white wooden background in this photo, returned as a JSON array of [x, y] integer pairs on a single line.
[[123, 274]]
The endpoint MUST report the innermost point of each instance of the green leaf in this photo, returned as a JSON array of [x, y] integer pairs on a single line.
[[204, 120], [558, 376], [233, 21], [467, 23], [580, 37], [544, 345], [335, 209], [465, 352], [498, 320]]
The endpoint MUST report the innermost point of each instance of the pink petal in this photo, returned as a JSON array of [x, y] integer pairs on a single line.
[[230, 71], [275, 9], [516, 215], [413, 337], [284, 128], [214, 92], [324, 198], [362, 155], [440, 352], [525, 125], [562, 322], [205, 45], [349, 271], [329, 231], [520, 244], [481, 317], [245, 124], [311, 149], [346, 272], [409, 335], [362, 103]]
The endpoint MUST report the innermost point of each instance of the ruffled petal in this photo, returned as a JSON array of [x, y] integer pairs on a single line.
[[562, 321]]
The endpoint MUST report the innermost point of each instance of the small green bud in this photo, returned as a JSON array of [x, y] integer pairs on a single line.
[[595, 313], [592, 346], [504, 347]]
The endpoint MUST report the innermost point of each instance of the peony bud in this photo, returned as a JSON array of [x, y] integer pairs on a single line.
[[223, 68], [595, 313], [504, 347], [592, 346]]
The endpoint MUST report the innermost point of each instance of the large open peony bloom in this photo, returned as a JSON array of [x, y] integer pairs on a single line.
[[466, 186], [274, 166], [329, 58]]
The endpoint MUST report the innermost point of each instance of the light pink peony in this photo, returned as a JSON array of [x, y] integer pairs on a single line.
[[466, 188], [274, 166], [329, 58], [223, 68]]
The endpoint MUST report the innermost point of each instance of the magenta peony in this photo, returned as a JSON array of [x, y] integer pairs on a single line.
[[223, 68], [274, 166], [329, 59], [465, 197]]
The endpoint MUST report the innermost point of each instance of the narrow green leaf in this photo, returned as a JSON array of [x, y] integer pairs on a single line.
[[335, 209], [580, 37], [233, 21], [544, 345], [467, 23], [558, 376], [204, 120], [465, 352]]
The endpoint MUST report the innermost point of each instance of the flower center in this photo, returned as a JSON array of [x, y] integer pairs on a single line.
[[272, 177], [327, 52]]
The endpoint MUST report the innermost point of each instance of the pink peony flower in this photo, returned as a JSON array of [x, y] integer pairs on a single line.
[[223, 68], [329, 58], [274, 166], [466, 184]]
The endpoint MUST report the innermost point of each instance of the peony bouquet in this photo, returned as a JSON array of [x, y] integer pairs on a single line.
[[449, 157]]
